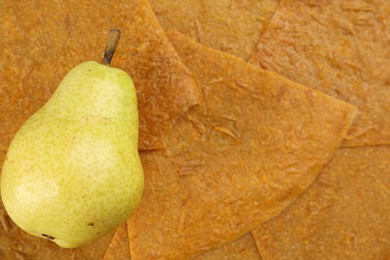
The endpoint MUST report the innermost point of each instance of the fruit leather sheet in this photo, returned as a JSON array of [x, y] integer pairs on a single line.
[[343, 215], [242, 248], [341, 48], [119, 246], [240, 157], [231, 26], [17, 244], [41, 41]]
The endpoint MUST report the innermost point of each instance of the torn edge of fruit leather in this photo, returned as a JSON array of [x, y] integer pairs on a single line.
[[343, 215], [231, 26], [254, 144], [42, 41], [340, 48], [119, 246]]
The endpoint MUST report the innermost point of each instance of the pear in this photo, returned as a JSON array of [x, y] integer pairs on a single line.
[[72, 172]]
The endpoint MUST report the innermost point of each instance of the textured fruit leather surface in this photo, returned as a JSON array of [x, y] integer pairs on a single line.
[[224, 174], [340, 48], [225, 145]]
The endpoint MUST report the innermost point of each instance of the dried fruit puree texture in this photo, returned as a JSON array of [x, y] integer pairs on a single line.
[[231, 26], [341, 48], [242, 248], [119, 246], [41, 41], [164, 86], [343, 215], [236, 160], [17, 244]]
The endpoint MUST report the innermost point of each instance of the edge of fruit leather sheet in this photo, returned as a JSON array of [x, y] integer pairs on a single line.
[[119, 246], [344, 209], [343, 215], [226, 191], [234, 27], [340, 48], [43, 40]]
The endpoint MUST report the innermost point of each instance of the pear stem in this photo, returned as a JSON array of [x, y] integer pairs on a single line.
[[113, 38]]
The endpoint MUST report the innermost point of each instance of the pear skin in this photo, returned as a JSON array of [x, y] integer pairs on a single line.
[[72, 173]]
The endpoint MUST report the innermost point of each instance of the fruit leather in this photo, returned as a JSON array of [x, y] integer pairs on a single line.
[[42, 41], [231, 26], [343, 215], [340, 48], [242, 248], [17, 244], [119, 246], [254, 144]]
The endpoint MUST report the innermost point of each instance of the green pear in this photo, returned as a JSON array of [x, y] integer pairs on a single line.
[[72, 172]]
